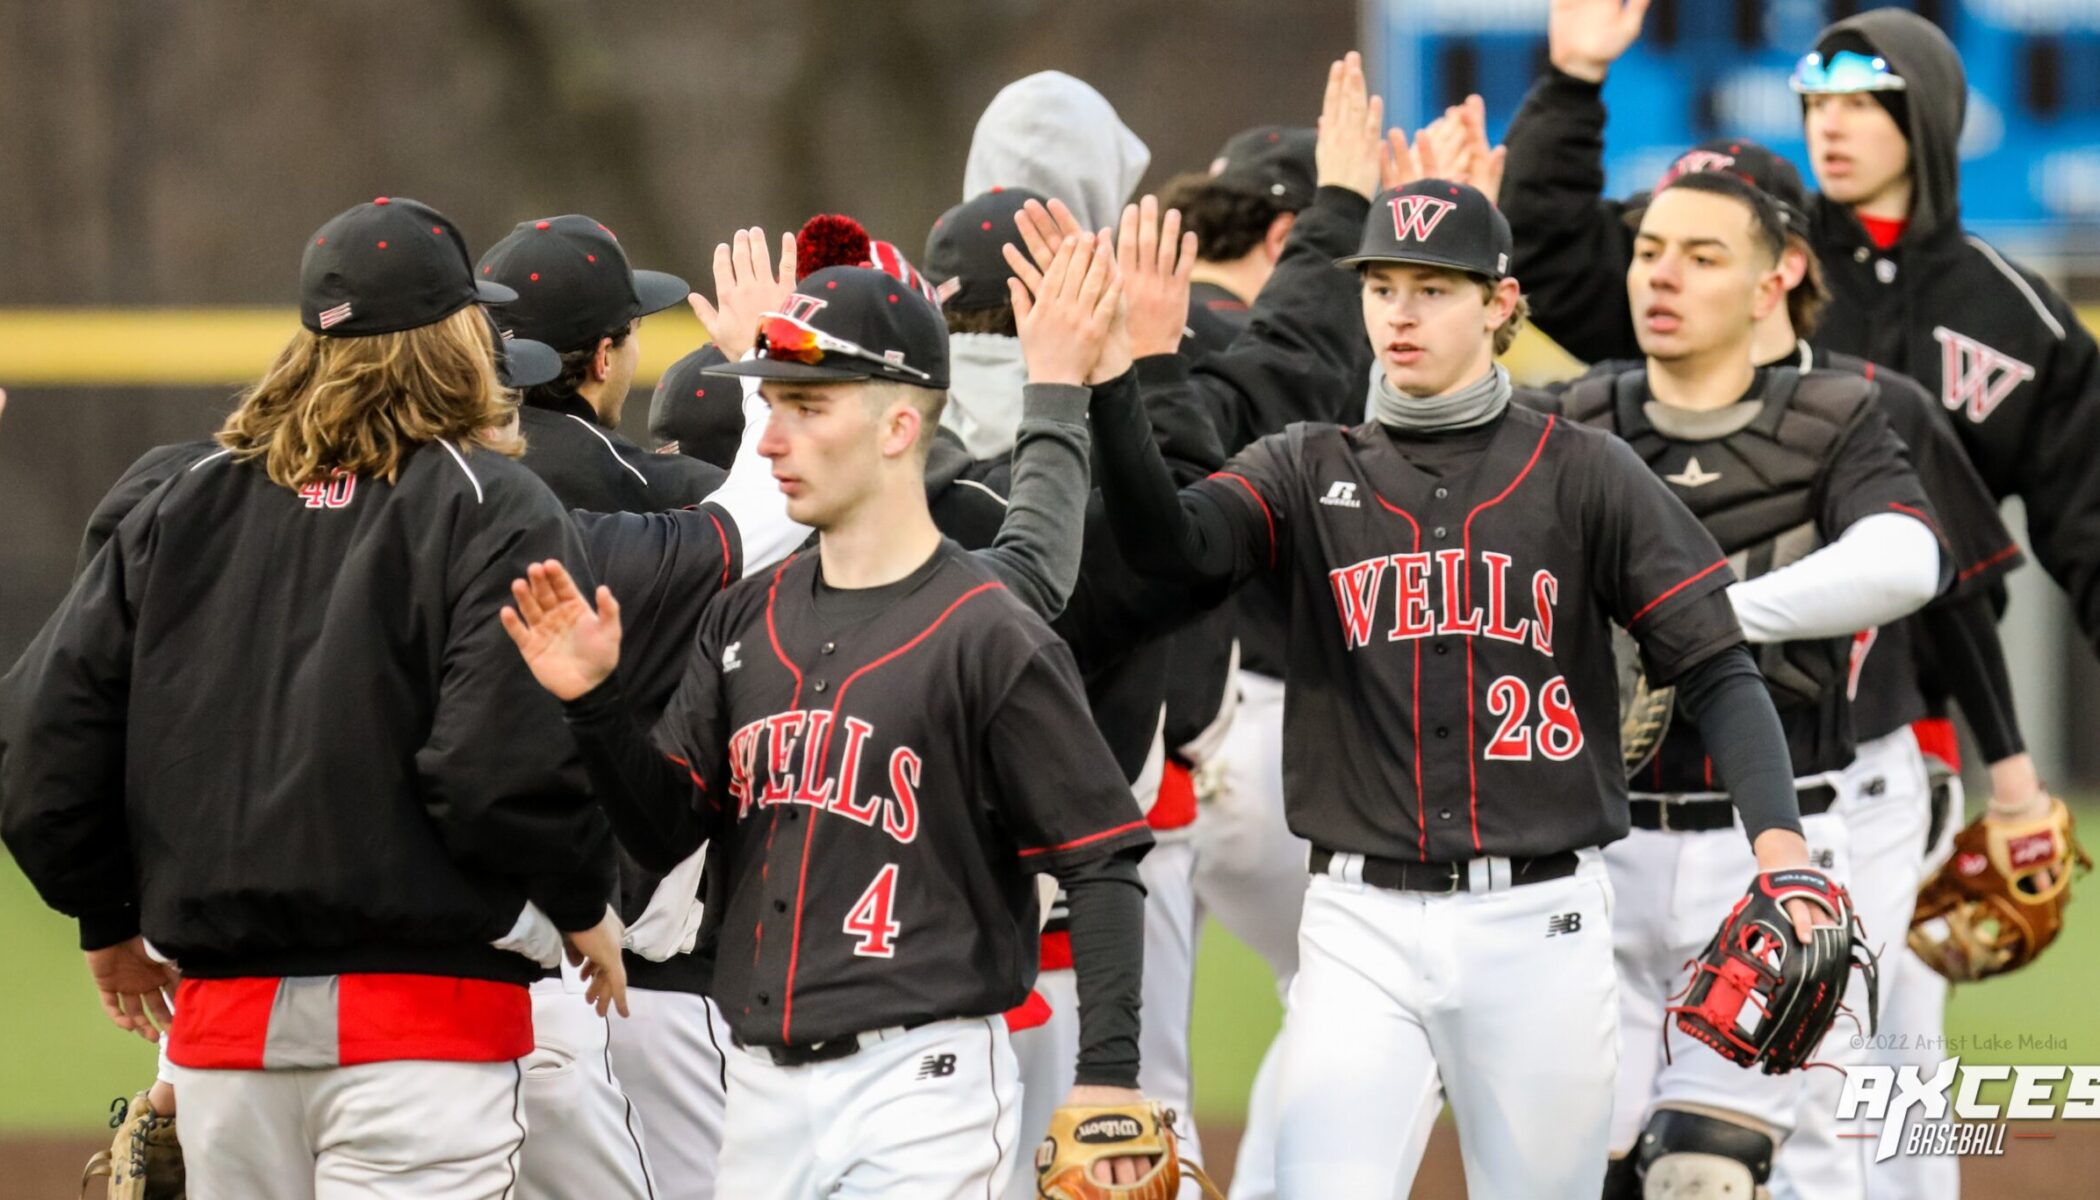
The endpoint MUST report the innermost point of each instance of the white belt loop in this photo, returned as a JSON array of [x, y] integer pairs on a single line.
[[1489, 874], [1348, 868]]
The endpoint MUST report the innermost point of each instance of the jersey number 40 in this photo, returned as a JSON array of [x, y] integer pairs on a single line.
[[870, 920], [1558, 736]]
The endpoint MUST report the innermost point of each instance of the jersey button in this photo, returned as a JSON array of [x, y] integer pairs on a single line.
[[794, 814], [821, 685], [780, 906], [1443, 814], [1441, 648], [1441, 533], [830, 647], [1443, 493], [765, 998], [1443, 731]]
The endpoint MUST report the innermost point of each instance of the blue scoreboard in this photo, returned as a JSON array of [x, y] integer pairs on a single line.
[[1707, 68]]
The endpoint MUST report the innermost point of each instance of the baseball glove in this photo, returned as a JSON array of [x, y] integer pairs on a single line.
[[1794, 992], [1999, 901], [1644, 710], [1079, 1137], [144, 1160]]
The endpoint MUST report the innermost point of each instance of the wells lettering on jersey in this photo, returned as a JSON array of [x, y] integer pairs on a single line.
[[1428, 599], [794, 758]]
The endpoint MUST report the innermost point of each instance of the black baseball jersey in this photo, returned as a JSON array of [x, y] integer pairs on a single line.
[[881, 774], [1776, 476], [1452, 688]]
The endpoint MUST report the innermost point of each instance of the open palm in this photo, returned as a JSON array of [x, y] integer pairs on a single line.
[[1585, 37], [570, 647]]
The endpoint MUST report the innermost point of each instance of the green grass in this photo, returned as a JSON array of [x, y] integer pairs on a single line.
[[65, 1061]]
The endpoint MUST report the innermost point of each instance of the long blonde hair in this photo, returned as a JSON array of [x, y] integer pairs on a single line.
[[361, 405]]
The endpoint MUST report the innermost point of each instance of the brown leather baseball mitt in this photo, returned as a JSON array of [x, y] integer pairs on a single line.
[[144, 1160], [1999, 901], [1080, 1137]]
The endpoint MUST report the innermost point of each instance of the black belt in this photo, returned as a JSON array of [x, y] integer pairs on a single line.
[[1399, 875], [1705, 816], [828, 1050]]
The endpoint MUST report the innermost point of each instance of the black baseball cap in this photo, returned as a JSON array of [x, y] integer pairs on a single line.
[[1437, 223], [698, 416], [572, 282], [1271, 160], [965, 258], [521, 362], [893, 332], [1754, 165], [386, 266]]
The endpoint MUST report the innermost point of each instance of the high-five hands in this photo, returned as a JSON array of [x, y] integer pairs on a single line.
[[746, 286], [1585, 37], [570, 647], [1064, 313], [1350, 150]]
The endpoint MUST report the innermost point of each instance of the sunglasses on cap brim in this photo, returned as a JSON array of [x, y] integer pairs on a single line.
[[1844, 72], [785, 339]]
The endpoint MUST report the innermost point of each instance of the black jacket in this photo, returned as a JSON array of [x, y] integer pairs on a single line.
[[2024, 391], [275, 731], [592, 467]]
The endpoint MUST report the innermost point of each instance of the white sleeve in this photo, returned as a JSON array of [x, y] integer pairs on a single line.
[[752, 497], [1882, 568]]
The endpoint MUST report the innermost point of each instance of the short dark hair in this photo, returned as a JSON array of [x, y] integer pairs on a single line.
[[1765, 217], [998, 320], [1228, 222], [575, 367], [1807, 300]]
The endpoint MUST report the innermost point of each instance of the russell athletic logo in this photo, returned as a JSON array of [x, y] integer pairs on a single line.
[[1416, 217], [1979, 1099], [1973, 377], [1341, 494]]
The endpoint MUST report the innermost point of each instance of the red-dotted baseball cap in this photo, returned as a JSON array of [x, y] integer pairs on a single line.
[[1754, 165], [1436, 223], [966, 251], [845, 323], [386, 266], [1276, 161], [573, 282]]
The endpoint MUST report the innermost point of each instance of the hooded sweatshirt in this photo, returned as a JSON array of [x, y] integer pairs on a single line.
[[1056, 135], [2012, 369]]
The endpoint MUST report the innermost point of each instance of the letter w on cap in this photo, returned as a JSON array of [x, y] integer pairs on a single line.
[[1416, 217]]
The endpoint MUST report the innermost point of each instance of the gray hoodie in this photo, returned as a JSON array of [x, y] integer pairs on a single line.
[[1937, 95], [1058, 136]]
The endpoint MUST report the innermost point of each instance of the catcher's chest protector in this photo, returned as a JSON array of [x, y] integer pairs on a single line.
[[1750, 473]]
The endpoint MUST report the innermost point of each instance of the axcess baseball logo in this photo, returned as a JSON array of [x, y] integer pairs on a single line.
[[1693, 475], [1890, 1094]]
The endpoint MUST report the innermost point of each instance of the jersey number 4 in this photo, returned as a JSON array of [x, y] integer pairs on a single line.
[[1558, 737], [870, 920]]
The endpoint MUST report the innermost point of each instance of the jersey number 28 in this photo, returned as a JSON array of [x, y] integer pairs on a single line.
[[1558, 737], [870, 919]]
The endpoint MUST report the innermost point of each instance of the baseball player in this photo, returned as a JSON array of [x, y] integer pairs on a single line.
[[1802, 482], [578, 294], [355, 905], [1883, 97], [1454, 566], [849, 734]]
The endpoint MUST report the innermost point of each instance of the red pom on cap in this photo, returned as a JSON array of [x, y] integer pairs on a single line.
[[543, 225], [379, 200], [829, 240]]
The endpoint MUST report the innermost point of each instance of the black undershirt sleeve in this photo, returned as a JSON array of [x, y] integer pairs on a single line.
[[1726, 698], [1972, 667], [1161, 531], [659, 808], [1107, 903]]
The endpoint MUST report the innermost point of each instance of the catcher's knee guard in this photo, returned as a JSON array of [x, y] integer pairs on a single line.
[[1683, 1155]]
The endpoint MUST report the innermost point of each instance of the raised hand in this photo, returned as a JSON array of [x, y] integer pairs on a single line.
[[570, 648], [597, 951], [1065, 317], [746, 286], [1154, 258], [1585, 37], [1350, 146], [132, 984], [1455, 147], [1042, 230]]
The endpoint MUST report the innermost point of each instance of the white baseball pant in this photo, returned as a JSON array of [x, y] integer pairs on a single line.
[[668, 1056], [406, 1130], [1886, 805], [1048, 1057], [586, 1137], [1504, 1003], [930, 1112]]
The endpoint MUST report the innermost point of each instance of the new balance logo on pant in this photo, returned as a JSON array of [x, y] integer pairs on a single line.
[[1564, 923], [936, 1066]]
